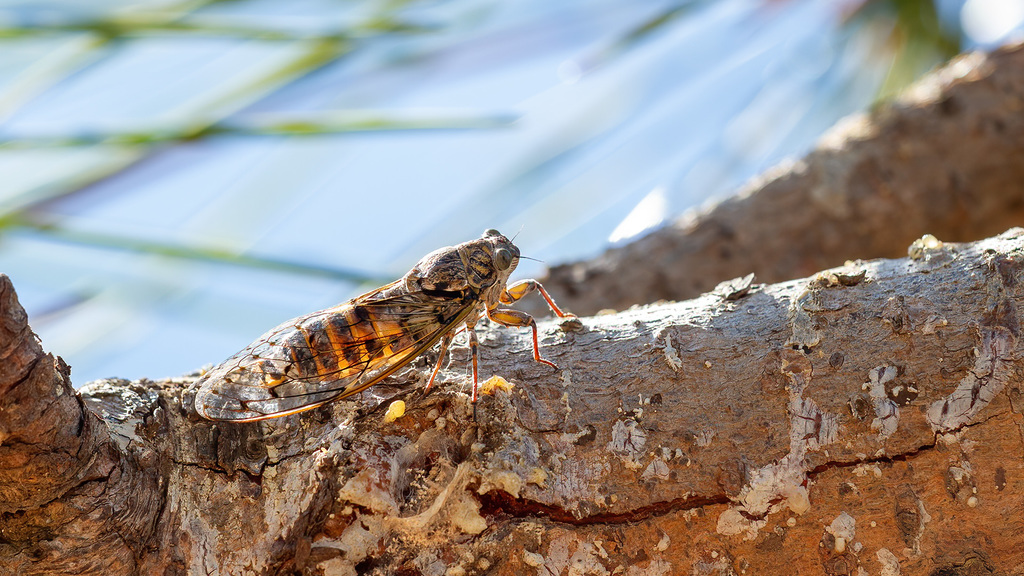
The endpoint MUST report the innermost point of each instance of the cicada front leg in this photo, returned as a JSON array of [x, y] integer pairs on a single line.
[[524, 287], [522, 319]]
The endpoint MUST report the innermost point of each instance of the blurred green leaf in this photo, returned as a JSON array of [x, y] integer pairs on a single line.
[[326, 123], [56, 233], [917, 41]]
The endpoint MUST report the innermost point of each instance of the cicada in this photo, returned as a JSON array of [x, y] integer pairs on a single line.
[[337, 352]]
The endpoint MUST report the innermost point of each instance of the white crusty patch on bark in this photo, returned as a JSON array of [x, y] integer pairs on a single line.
[[658, 468], [628, 441], [122, 405], [992, 369], [810, 425], [567, 553], [783, 484], [890, 563], [843, 529], [377, 515], [887, 413], [804, 334], [671, 354]]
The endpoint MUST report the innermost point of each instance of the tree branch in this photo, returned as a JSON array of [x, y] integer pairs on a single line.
[[70, 501], [830, 423], [943, 160]]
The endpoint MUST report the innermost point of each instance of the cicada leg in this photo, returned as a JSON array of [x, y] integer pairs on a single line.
[[445, 342], [524, 287], [473, 350], [523, 320], [473, 345]]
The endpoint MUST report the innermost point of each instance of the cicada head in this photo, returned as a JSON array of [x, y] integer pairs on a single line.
[[504, 254], [499, 256]]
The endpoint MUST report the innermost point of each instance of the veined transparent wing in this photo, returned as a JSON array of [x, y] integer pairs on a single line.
[[327, 355]]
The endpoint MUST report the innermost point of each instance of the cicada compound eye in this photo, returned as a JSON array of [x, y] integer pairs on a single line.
[[502, 259]]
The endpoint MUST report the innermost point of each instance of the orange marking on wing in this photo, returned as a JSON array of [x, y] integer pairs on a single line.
[[339, 342], [310, 339], [363, 337], [391, 334]]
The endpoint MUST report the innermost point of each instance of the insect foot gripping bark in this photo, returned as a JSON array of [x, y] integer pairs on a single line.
[[337, 352]]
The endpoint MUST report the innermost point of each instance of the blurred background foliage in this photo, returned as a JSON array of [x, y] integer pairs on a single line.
[[179, 176]]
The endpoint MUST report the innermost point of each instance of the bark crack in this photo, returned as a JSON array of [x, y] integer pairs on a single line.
[[901, 457], [201, 467], [887, 458], [28, 374], [499, 502]]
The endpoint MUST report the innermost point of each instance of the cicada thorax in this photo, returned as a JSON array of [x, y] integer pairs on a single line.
[[479, 267], [467, 272]]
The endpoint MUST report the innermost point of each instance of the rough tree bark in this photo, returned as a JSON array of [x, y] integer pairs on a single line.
[[866, 420], [946, 159]]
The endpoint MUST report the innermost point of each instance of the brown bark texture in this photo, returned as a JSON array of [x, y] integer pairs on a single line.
[[866, 420], [946, 159], [863, 421]]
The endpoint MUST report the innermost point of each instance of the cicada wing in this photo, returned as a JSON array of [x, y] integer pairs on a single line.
[[325, 356]]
